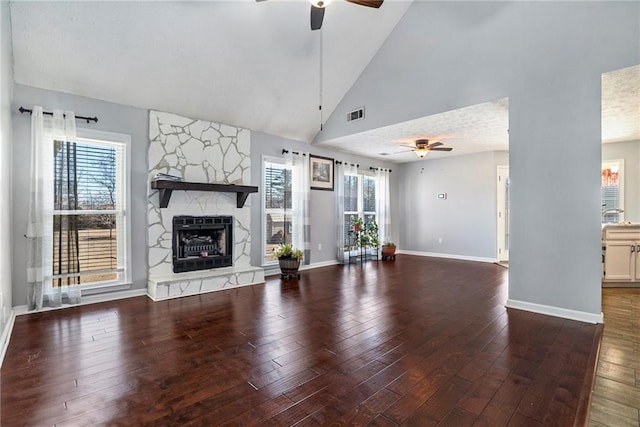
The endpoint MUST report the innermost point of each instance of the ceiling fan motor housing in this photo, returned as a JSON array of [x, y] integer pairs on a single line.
[[422, 144]]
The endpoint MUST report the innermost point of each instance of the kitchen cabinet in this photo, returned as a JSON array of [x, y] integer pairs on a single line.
[[621, 254]]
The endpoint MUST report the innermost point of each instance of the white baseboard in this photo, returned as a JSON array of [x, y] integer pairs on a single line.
[[581, 316], [450, 256], [6, 335], [90, 299]]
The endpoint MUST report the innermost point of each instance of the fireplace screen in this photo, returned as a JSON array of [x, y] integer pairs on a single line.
[[202, 242]]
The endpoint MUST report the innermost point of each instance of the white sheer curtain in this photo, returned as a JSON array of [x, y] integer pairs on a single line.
[[339, 194], [341, 169], [383, 208], [301, 194], [41, 290]]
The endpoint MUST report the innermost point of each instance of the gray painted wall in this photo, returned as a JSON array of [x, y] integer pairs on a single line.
[[547, 57], [6, 85], [323, 224], [112, 118], [630, 152], [466, 219]]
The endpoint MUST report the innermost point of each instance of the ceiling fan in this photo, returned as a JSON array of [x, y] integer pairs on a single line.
[[422, 147], [318, 6]]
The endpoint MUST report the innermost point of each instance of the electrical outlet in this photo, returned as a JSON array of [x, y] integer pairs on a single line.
[[439, 239], [319, 246]]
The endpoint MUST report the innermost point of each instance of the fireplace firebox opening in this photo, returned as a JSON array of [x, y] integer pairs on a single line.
[[202, 242]]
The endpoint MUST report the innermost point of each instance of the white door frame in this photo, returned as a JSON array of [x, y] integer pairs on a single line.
[[502, 248]]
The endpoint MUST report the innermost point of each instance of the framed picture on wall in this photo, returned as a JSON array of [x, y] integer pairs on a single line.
[[321, 169]]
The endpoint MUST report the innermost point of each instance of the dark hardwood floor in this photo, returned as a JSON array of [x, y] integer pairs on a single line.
[[415, 341]]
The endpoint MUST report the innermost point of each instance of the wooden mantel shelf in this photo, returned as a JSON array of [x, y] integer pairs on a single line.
[[166, 188]]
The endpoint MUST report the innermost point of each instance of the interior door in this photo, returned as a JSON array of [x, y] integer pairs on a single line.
[[503, 213]]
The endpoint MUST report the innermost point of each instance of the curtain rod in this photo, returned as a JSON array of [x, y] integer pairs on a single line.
[[345, 163], [49, 113], [293, 152], [284, 150], [378, 169]]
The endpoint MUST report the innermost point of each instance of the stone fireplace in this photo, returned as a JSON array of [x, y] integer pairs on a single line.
[[202, 152]]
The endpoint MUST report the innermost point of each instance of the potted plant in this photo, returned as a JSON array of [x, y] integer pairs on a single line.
[[388, 250], [358, 224], [366, 237], [289, 260]]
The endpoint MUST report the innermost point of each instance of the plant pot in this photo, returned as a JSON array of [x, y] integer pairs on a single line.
[[388, 252], [289, 267]]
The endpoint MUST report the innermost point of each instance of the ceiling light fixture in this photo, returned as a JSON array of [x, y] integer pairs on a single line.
[[421, 152], [422, 147]]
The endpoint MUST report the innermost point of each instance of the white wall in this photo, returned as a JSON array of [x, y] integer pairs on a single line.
[[629, 151], [465, 220], [6, 85], [112, 118], [548, 58]]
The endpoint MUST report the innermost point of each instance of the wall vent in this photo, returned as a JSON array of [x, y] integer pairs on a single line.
[[355, 114]]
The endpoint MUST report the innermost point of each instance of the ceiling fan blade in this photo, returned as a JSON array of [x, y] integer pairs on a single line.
[[393, 154], [441, 149], [368, 3], [435, 144], [317, 15]]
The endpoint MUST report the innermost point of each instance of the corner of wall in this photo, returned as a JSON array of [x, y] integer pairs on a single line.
[[6, 177]]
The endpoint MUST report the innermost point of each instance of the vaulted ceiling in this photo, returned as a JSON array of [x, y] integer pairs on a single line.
[[256, 65], [247, 63]]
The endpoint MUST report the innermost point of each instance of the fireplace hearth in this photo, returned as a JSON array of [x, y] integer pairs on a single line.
[[202, 242]]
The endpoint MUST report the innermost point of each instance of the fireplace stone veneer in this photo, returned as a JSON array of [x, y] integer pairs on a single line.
[[207, 152]]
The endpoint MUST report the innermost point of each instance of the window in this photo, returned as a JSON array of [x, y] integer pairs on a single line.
[[277, 212], [359, 201], [90, 224], [612, 191]]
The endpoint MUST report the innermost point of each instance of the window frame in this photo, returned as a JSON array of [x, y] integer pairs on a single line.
[[112, 138], [619, 163], [360, 212], [263, 212]]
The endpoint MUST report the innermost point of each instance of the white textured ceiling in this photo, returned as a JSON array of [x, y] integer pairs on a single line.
[[247, 63], [483, 127], [255, 65], [621, 105]]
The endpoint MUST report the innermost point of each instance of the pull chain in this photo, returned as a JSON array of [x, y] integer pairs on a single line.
[[321, 78]]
